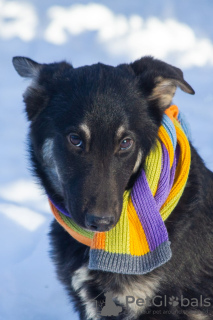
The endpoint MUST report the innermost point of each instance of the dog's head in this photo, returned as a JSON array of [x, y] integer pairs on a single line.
[[92, 128]]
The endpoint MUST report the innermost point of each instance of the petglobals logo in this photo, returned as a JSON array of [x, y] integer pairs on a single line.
[[165, 301], [173, 305]]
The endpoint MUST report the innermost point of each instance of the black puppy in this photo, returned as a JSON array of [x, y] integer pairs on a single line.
[[91, 129]]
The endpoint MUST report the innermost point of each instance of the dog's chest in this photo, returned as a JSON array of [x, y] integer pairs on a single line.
[[127, 294]]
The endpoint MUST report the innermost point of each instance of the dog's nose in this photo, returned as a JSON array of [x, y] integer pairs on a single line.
[[95, 223]]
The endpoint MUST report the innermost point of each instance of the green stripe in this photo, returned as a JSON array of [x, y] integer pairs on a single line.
[[71, 224]]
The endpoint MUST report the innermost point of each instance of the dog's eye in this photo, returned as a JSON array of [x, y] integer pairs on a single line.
[[75, 140], [126, 144]]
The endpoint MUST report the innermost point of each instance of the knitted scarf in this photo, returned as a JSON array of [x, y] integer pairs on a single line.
[[139, 242]]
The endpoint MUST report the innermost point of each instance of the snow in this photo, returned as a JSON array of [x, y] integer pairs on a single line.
[[82, 32]]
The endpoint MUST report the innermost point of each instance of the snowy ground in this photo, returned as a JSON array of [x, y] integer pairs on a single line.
[[179, 32]]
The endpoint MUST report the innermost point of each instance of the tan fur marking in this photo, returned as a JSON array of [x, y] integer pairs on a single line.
[[120, 132], [197, 315], [84, 127], [164, 91], [138, 161]]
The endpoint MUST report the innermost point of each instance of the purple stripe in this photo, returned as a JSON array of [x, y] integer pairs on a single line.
[[163, 186], [60, 208], [148, 213], [174, 165], [167, 177]]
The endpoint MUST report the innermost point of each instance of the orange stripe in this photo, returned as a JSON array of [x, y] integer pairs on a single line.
[[98, 241], [73, 233], [138, 242], [172, 112]]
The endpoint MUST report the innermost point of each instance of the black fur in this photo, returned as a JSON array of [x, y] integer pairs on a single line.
[[91, 179]]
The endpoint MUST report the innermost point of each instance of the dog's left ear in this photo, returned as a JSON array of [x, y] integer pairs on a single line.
[[159, 80]]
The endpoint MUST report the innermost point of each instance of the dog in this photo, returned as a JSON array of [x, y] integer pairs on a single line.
[[91, 129]]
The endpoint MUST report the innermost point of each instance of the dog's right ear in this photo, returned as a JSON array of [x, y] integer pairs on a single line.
[[26, 67]]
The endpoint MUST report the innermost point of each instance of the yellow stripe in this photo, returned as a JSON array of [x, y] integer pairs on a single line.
[[117, 239], [181, 175], [153, 167]]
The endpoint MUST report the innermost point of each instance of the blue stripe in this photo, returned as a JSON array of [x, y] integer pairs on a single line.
[[170, 128]]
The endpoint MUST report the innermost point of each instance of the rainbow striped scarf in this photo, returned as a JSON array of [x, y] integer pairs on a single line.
[[139, 242]]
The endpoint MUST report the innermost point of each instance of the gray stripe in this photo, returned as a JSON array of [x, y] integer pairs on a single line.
[[129, 264]]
